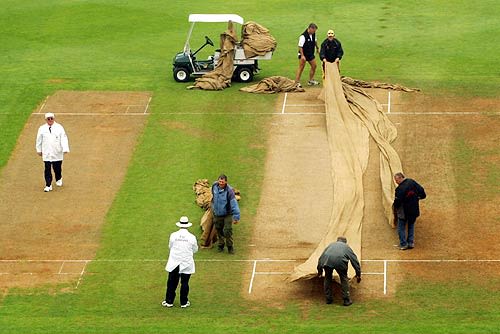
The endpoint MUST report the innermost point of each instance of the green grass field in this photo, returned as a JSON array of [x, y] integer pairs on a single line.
[[448, 48]]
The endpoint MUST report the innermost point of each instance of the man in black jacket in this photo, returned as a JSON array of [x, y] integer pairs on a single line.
[[331, 49], [336, 257], [407, 195]]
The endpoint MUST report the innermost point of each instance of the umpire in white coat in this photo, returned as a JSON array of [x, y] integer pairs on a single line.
[[180, 263], [51, 145]]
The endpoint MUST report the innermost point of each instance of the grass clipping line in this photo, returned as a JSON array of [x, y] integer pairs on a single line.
[[352, 116]]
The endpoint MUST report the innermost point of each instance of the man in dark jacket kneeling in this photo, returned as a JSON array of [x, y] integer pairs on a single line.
[[336, 257]]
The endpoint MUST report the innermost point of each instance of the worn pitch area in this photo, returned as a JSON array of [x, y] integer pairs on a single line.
[[431, 139], [102, 128]]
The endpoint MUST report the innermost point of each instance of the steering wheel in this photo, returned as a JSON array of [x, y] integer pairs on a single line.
[[209, 41]]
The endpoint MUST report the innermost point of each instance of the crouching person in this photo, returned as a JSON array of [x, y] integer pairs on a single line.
[[336, 257], [180, 263]]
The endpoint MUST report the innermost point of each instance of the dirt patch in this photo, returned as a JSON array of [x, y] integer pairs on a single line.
[[290, 223], [65, 223]]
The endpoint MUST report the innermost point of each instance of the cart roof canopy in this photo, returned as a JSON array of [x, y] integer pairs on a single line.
[[215, 18]]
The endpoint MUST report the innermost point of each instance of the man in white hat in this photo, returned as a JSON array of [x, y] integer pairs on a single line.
[[180, 263], [51, 145]]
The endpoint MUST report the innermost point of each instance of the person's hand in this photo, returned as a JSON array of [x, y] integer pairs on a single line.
[[236, 222], [337, 60], [39, 153], [358, 278], [324, 60], [303, 58]]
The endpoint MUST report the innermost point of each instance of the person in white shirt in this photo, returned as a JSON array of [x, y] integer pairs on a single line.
[[51, 144], [308, 44], [180, 263]]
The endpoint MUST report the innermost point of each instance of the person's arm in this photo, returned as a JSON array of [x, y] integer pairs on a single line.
[[64, 141], [302, 40], [420, 191], [194, 244], [322, 52], [354, 261], [235, 209], [320, 270], [170, 241], [341, 51], [398, 195], [38, 142]]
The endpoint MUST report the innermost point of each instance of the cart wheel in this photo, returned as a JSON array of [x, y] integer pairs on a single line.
[[181, 74], [244, 74]]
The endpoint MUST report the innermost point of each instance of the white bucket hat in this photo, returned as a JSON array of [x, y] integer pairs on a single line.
[[184, 222], [49, 114]]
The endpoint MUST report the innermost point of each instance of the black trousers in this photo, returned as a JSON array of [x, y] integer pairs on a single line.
[[57, 166], [327, 284], [173, 282]]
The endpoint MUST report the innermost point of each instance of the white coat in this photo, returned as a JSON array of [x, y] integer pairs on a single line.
[[182, 246], [52, 144]]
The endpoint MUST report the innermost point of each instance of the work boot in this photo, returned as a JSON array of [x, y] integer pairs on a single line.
[[347, 301], [230, 249]]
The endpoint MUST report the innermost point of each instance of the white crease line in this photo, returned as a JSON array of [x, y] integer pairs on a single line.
[[252, 278], [389, 102], [305, 105], [147, 106], [449, 113], [43, 104], [94, 114], [241, 260], [272, 273], [60, 269], [284, 104], [81, 275], [385, 277], [372, 273]]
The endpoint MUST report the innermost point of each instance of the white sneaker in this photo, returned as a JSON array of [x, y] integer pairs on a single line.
[[59, 183], [313, 83], [165, 304], [186, 305], [47, 189]]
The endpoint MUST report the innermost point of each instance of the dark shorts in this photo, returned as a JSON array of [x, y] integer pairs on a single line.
[[308, 57]]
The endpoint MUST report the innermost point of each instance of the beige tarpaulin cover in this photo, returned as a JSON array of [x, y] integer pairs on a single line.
[[220, 77], [369, 84], [272, 85], [202, 189], [256, 40], [352, 116]]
